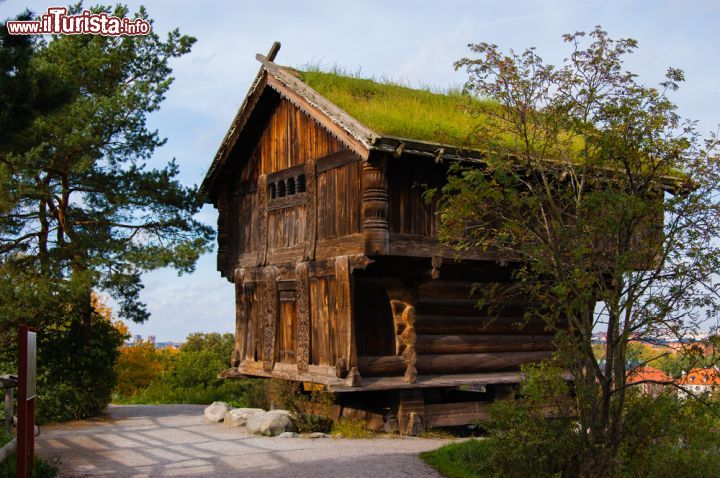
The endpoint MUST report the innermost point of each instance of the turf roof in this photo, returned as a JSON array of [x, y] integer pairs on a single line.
[[395, 110]]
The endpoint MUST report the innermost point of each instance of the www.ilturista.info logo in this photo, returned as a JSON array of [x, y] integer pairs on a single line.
[[57, 22]]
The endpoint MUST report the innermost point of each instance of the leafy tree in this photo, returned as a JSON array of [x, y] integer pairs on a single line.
[[219, 344], [137, 366], [583, 163], [86, 212], [80, 210]]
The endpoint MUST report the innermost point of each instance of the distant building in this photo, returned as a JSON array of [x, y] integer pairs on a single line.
[[649, 379], [137, 339], [167, 345], [699, 381], [151, 339]]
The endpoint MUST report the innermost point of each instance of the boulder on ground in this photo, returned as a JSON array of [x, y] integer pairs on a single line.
[[216, 412], [318, 435], [238, 417], [288, 435], [271, 423]]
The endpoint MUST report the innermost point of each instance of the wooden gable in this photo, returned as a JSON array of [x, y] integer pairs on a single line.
[[284, 163], [290, 138]]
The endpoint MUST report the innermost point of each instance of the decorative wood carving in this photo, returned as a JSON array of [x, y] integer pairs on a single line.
[[271, 317], [375, 206], [310, 210], [240, 318], [402, 303], [262, 215], [222, 236], [302, 304]]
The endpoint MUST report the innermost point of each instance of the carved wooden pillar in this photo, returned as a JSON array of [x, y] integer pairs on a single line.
[[240, 318], [310, 210], [270, 290], [402, 303], [222, 207], [262, 218], [375, 206], [302, 304]]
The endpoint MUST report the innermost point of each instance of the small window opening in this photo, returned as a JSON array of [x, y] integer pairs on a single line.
[[301, 183], [281, 189], [273, 191], [290, 186]]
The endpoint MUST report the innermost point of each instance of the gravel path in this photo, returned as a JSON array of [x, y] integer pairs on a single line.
[[176, 440]]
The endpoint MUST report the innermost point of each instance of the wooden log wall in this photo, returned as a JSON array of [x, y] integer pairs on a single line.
[[438, 330]]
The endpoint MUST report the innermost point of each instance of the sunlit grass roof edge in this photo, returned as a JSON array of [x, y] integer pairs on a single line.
[[394, 110]]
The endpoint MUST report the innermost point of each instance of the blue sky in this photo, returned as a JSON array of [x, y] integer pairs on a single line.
[[412, 41]]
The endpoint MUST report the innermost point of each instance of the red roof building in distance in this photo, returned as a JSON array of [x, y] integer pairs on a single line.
[[699, 381], [649, 379]]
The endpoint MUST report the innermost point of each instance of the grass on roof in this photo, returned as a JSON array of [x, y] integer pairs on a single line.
[[395, 110], [392, 109]]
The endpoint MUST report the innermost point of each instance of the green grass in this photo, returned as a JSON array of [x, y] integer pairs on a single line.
[[160, 393], [466, 459], [395, 110], [351, 428]]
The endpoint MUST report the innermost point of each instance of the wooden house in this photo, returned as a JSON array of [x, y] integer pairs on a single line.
[[340, 280]]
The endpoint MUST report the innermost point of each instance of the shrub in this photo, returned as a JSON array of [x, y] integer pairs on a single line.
[[538, 436], [147, 375], [468, 459], [75, 374], [137, 366], [313, 411]]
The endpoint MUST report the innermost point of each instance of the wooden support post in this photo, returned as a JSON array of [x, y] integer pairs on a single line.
[[262, 218], [375, 206], [26, 402], [310, 210], [240, 318], [302, 304], [411, 412], [271, 317]]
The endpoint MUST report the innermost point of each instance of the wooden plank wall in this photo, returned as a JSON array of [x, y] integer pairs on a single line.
[[328, 317], [286, 227], [290, 138], [324, 321], [339, 195], [408, 212], [255, 313]]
